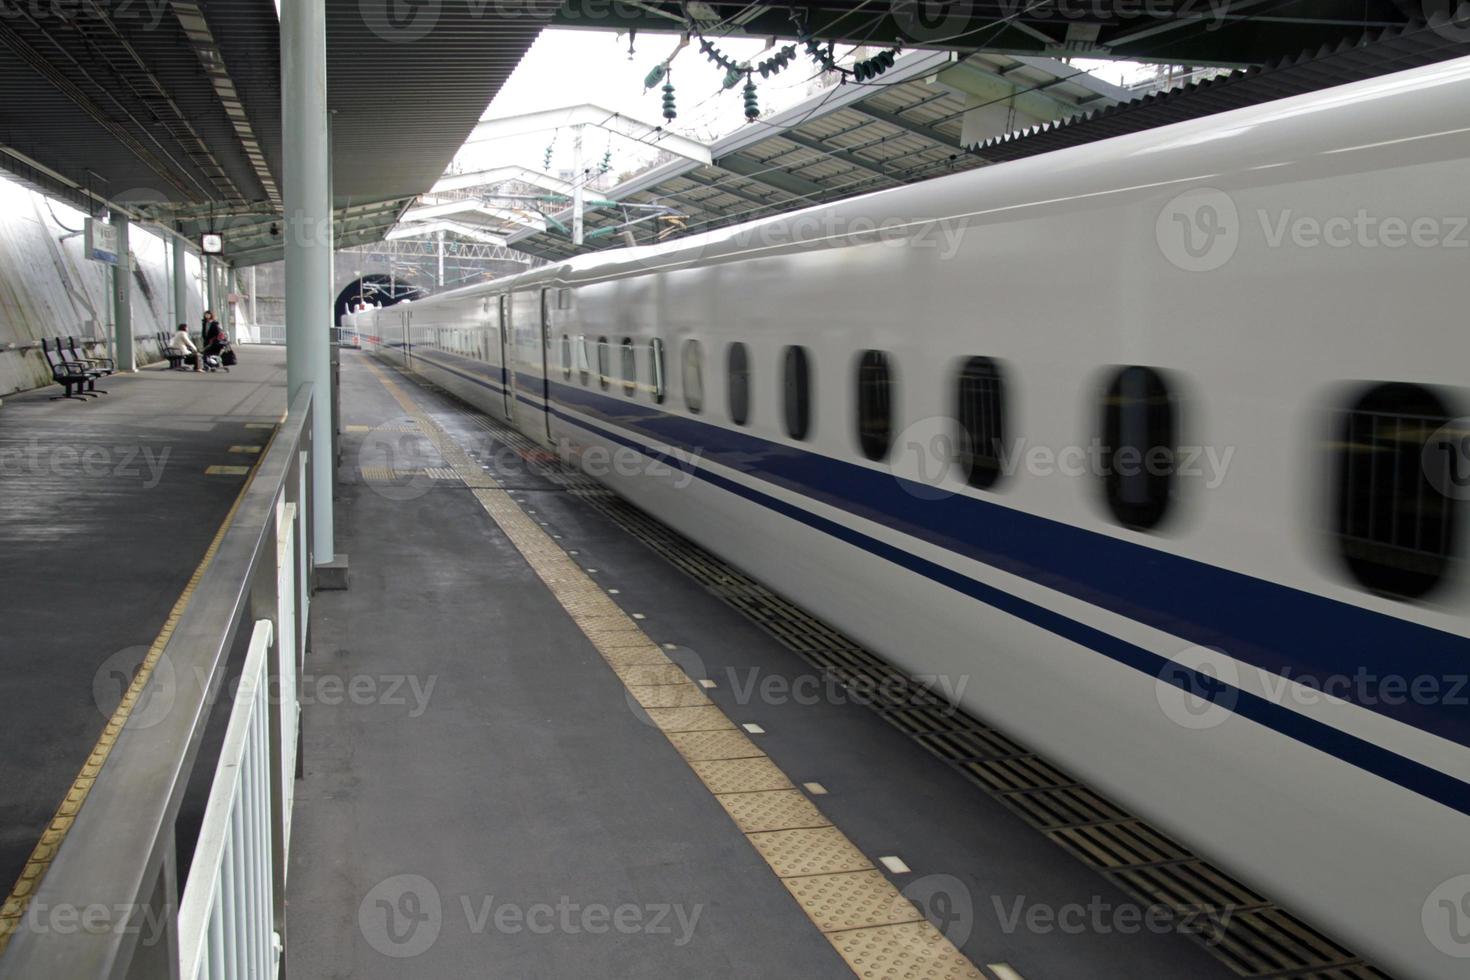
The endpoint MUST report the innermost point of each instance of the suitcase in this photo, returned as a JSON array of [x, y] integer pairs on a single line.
[[227, 357]]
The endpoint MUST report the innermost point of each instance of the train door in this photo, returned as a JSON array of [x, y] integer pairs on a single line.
[[507, 371], [546, 361]]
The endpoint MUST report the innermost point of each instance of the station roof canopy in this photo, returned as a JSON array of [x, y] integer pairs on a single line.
[[1231, 33], [1395, 49], [173, 110], [838, 143]]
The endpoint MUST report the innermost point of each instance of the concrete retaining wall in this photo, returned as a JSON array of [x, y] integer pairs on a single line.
[[47, 289]]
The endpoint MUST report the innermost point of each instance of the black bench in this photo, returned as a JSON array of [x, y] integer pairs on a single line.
[[91, 369], [74, 376], [106, 365], [84, 363], [172, 354]]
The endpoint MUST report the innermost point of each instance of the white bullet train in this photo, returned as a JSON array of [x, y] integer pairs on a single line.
[[1153, 447]]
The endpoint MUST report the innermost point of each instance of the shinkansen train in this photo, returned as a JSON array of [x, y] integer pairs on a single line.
[[1153, 447]]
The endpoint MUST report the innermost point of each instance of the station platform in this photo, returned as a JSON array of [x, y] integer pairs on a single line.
[[108, 508], [538, 747]]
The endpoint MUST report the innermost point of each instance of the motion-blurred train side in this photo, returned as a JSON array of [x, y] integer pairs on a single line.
[[1143, 444]]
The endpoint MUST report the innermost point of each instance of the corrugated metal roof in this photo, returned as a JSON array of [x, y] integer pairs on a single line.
[[1186, 32], [180, 103], [1389, 51], [847, 141]]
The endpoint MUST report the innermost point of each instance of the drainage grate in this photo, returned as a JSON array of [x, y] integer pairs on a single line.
[[1243, 930]]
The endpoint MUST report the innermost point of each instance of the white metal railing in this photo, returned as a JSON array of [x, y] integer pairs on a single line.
[[226, 923], [275, 333], [270, 333], [226, 915]]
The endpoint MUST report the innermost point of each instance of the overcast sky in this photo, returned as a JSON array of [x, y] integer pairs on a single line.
[[570, 67]]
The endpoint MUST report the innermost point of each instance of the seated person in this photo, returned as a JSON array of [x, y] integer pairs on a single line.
[[181, 342]]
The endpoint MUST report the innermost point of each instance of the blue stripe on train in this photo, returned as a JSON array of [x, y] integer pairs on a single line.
[[1290, 632]]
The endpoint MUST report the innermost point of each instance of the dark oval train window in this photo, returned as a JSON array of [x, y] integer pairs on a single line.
[[630, 368], [584, 358], [982, 421], [874, 404], [1139, 444], [1398, 462], [604, 362], [693, 377], [737, 374], [656, 369], [796, 402]]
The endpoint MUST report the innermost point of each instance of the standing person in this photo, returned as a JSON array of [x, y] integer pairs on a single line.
[[183, 343], [214, 337]]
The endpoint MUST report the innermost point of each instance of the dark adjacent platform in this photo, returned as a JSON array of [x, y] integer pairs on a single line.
[[106, 509]]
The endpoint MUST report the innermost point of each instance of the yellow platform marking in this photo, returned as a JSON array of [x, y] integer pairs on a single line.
[[718, 744], [226, 470], [817, 851], [851, 900], [912, 949], [260, 425], [645, 674], [750, 775], [245, 449], [684, 695], [781, 809], [875, 929], [12, 910], [357, 428]]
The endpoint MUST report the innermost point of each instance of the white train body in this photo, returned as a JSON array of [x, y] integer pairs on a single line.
[[1048, 617]]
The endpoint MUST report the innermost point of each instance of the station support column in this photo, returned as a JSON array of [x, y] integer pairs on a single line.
[[308, 250], [122, 298], [226, 312], [181, 285]]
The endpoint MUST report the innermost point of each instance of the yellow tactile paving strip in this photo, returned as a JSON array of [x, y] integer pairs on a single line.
[[873, 927], [12, 910]]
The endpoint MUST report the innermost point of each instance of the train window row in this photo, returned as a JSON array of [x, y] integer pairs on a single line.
[[1394, 522], [574, 357]]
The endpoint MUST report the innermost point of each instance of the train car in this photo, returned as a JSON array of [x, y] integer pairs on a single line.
[[1147, 448]]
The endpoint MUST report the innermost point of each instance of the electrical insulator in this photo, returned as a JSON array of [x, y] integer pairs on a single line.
[[752, 105], [669, 111], [732, 78], [654, 77]]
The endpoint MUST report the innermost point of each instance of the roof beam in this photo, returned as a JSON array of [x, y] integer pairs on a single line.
[[474, 234], [732, 191], [900, 122], [500, 175], [774, 176], [846, 156], [589, 115]]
